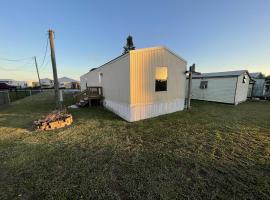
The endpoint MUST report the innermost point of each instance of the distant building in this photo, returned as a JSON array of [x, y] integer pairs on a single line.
[[68, 83], [4, 86], [22, 84], [32, 84], [12, 82], [225, 87], [47, 83], [261, 87]]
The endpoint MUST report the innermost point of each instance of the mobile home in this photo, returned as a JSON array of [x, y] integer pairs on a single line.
[[225, 87], [261, 86], [68, 83], [141, 84], [47, 83]]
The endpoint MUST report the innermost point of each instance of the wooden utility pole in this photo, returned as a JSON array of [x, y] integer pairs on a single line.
[[55, 77], [190, 72], [38, 73]]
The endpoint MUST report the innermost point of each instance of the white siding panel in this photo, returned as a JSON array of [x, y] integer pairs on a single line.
[[219, 89], [129, 84], [115, 80], [145, 101], [91, 78], [121, 109], [242, 89], [142, 76], [140, 112]]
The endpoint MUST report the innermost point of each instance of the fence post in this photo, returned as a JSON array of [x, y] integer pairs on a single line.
[[61, 99], [8, 97]]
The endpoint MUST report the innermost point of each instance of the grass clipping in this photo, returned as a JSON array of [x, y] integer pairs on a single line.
[[56, 119]]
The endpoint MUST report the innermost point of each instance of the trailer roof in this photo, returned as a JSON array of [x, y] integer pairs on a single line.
[[221, 74], [142, 49]]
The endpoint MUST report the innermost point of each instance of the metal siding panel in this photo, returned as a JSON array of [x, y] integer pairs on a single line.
[[219, 90], [115, 80], [242, 89], [143, 64]]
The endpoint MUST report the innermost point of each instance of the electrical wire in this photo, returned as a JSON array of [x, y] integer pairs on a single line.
[[14, 70], [15, 60], [45, 65], [22, 68], [18, 68], [45, 54]]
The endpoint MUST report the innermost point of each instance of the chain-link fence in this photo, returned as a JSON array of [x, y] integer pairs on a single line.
[[4, 98], [10, 96]]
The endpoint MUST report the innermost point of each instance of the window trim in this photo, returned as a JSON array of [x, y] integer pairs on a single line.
[[165, 82], [159, 90], [203, 84], [244, 78], [100, 77]]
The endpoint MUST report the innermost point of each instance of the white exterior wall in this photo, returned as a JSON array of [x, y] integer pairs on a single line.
[[115, 82], [90, 78], [258, 88], [242, 89], [145, 101], [129, 84], [220, 89]]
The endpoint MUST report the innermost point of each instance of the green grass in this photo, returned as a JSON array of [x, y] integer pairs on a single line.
[[214, 151], [20, 94]]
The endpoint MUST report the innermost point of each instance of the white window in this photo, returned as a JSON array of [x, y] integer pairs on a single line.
[[100, 77]]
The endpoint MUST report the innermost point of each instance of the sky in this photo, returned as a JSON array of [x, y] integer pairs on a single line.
[[216, 35]]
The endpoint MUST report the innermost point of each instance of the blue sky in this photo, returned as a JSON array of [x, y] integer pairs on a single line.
[[216, 35]]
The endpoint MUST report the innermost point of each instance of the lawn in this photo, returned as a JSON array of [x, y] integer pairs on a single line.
[[214, 151]]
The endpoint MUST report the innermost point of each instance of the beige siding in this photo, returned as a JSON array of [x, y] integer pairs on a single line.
[[115, 80], [91, 78], [129, 83], [242, 89], [219, 89], [142, 76]]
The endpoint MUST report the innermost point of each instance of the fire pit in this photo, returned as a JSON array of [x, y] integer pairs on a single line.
[[54, 120]]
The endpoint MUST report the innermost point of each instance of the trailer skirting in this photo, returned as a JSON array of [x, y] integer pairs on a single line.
[[133, 113]]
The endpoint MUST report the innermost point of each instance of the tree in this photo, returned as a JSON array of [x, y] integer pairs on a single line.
[[261, 75], [129, 46]]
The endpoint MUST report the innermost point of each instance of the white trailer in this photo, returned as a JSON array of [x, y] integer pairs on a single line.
[[141, 84], [225, 87]]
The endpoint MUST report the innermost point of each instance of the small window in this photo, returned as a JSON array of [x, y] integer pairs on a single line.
[[244, 78], [204, 84], [161, 77], [100, 77]]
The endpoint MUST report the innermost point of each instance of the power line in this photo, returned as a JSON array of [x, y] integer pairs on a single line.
[[15, 60], [44, 66], [22, 67], [45, 54], [14, 70]]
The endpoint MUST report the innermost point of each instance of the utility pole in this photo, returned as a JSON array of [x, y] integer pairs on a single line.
[[55, 77], [38, 72]]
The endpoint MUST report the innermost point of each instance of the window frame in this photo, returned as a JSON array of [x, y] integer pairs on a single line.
[[245, 78], [100, 77], [203, 84], [161, 85]]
